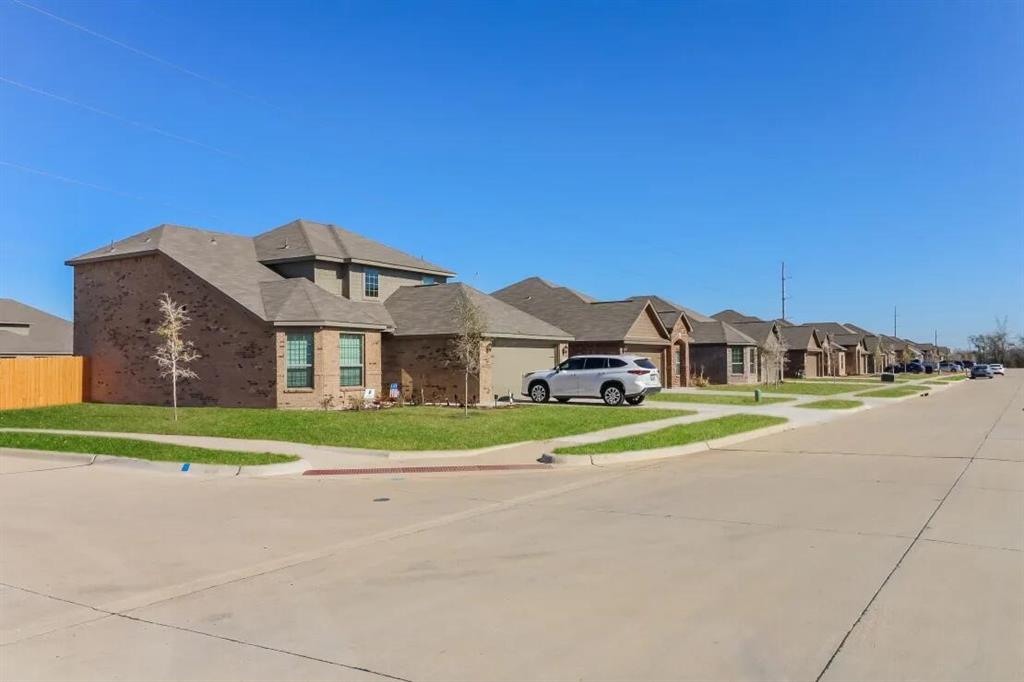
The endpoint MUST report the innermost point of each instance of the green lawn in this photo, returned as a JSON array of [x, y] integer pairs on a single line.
[[832, 404], [955, 377], [681, 434], [406, 428], [894, 391], [709, 399], [140, 449], [791, 387]]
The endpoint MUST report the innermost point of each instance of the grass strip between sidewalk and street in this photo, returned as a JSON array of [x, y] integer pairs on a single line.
[[790, 387], [832, 404], [396, 428], [138, 449], [681, 434], [894, 391], [710, 399]]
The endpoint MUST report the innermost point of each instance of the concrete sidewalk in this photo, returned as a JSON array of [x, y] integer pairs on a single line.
[[322, 457]]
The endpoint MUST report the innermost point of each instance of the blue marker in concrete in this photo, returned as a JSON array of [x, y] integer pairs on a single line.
[[185, 466]]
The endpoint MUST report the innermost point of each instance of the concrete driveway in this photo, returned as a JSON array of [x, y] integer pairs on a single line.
[[888, 545]]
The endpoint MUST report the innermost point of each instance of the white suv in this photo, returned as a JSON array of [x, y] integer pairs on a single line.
[[613, 378]]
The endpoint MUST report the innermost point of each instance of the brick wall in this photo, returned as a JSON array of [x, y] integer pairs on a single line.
[[116, 311], [327, 371], [715, 361], [420, 366]]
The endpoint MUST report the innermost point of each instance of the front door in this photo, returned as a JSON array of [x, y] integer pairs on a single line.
[[565, 382]]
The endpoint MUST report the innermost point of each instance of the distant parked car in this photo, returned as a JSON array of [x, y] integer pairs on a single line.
[[997, 368], [967, 363], [981, 371], [947, 366], [893, 369], [615, 379], [914, 367]]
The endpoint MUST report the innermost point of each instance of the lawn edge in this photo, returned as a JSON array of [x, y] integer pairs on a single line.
[[86, 459], [665, 453]]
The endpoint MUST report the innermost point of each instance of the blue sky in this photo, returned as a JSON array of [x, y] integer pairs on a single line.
[[683, 149]]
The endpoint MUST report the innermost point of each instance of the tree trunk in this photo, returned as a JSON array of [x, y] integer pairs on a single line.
[[174, 394], [465, 393]]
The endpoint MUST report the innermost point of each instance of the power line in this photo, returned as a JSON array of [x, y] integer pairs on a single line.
[[101, 188], [148, 55], [116, 117]]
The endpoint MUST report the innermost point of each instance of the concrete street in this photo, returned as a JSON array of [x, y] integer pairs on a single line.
[[884, 545]]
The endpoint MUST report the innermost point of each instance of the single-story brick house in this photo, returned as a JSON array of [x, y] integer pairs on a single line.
[[805, 351], [613, 327], [852, 342], [722, 353], [293, 317], [770, 367], [30, 332], [680, 327]]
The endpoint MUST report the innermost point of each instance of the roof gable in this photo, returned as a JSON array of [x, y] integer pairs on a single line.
[[32, 331], [304, 239], [583, 317], [428, 310]]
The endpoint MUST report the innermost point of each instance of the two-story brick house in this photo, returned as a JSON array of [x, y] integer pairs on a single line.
[[295, 317]]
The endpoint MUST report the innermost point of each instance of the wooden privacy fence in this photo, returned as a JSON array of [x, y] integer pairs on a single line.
[[37, 382]]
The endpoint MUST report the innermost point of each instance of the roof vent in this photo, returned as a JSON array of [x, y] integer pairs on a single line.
[[110, 249], [213, 240], [148, 239]]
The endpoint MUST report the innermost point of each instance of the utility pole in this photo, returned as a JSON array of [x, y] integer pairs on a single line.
[[784, 297], [894, 322]]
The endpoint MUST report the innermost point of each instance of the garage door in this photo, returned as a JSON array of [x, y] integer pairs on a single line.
[[652, 353], [811, 364], [512, 360]]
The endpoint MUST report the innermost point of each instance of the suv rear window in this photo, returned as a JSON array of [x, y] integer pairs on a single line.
[[615, 362], [645, 363], [595, 363]]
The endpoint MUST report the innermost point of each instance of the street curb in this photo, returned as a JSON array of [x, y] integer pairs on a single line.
[[226, 470], [665, 453]]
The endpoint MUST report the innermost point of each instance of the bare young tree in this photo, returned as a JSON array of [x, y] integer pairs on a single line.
[[468, 342], [879, 357], [174, 354], [774, 356]]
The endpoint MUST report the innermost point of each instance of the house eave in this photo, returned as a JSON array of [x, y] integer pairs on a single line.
[[359, 261]]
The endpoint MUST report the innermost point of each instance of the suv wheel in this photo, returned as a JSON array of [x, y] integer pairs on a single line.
[[612, 395], [539, 393], [635, 400]]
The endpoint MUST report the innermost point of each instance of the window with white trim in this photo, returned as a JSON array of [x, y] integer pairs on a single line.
[[736, 359], [371, 283]]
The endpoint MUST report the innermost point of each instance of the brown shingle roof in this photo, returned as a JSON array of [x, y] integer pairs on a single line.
[[228, 263], [298, 301], [802, 336], [718, 332], [225, 261], [578, 314], [31, 331], [760, 331], [732, 316], [429, 310], [302, 239]]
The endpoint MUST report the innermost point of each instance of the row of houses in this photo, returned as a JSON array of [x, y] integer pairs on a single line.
[[310, 314]]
